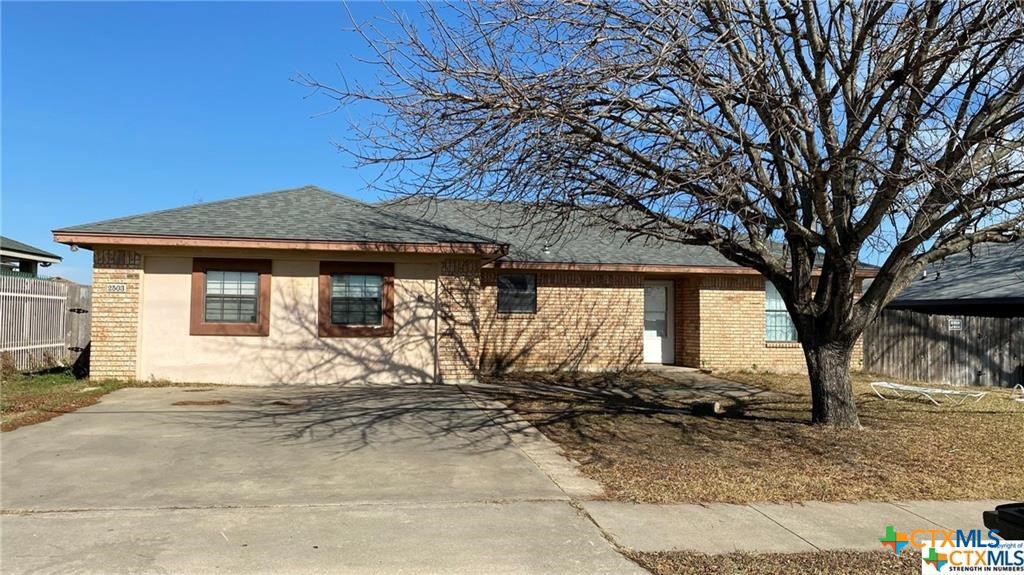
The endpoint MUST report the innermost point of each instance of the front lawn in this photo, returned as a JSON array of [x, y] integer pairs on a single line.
[[34, 398], [26, 399], [635, 435], [823, 563]]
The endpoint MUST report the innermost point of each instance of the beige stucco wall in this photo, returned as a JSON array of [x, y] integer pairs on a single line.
[[292, 353]]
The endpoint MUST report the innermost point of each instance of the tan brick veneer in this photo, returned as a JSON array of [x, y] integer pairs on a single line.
[[721, 320], [584, 321], [116, 299], [458, 319]]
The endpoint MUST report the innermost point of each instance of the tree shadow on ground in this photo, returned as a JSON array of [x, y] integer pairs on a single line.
[[479, 416]]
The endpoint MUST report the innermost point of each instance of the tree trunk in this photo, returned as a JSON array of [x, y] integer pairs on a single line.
[[828, 365]]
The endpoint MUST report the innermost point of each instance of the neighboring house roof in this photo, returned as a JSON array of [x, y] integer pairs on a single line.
[[302, 214], [14, 249], [993, 273], [534, 239]]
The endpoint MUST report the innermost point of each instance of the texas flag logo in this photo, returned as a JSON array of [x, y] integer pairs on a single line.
[[935, 559], [895, 540]]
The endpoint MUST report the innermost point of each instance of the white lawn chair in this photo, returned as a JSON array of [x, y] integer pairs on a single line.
[[1018, 393], [949, 396]]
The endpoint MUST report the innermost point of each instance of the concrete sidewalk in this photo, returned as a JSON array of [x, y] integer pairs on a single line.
[[779, 528]]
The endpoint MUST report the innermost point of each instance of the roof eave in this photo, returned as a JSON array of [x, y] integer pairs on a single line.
[[90, 239], [953, 302], [641, 268], [51, 259]]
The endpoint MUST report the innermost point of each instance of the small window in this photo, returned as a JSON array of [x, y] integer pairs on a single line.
[[356, 299], [230, 297], [778, 325], [517, 293]]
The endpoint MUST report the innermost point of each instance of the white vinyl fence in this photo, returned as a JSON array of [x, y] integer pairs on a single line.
[[36, 321]]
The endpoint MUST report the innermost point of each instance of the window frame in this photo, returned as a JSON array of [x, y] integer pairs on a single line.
[[768, 288], [198, 324], [497, 296], [325, 328]]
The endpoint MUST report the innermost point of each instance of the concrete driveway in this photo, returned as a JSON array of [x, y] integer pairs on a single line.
[[412, 479]]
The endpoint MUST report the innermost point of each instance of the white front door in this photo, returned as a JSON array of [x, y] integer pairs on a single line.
[[658, 341]]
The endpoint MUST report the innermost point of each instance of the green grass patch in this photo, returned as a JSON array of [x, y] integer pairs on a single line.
[[33, 398], [26, 399]]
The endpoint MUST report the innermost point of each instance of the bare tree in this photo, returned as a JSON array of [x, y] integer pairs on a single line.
[[793, 137]]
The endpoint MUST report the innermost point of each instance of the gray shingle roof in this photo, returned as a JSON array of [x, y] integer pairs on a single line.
[[313, 214], [7, 243], [994, 272], [575, 242], [307, 213]]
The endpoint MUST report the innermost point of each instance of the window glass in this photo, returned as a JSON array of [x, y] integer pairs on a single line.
[[778, 325], [356, 299], [231, 296], [517, 293], [656, 310]]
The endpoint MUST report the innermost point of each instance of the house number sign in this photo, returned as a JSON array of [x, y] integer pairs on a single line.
[[956, 324], [116, 288]]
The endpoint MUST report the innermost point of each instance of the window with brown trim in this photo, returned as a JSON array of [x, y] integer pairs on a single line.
[[230, 297], [357, 299]]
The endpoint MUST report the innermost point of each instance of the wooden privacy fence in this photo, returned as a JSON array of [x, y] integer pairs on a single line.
[[950, 349], [43, 323]]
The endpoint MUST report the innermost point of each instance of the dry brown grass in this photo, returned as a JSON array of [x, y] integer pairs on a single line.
[[823, 563], [644, 446]]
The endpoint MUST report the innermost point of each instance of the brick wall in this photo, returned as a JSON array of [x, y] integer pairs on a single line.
[[730, 317], [584, 321], [116, 298], [687, 320], [458, 330]]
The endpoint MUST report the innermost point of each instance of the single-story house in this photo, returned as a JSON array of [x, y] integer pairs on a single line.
[[307, 286], [19, 258]]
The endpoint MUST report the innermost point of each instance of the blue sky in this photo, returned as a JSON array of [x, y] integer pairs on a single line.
[[113, 109]]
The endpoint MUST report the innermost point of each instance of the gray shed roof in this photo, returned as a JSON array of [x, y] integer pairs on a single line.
[[307, 213], [577, 241], [7, 244], [993, 272]]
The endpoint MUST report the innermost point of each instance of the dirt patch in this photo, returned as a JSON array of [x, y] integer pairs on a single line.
[[823, 562], [202, 402]]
